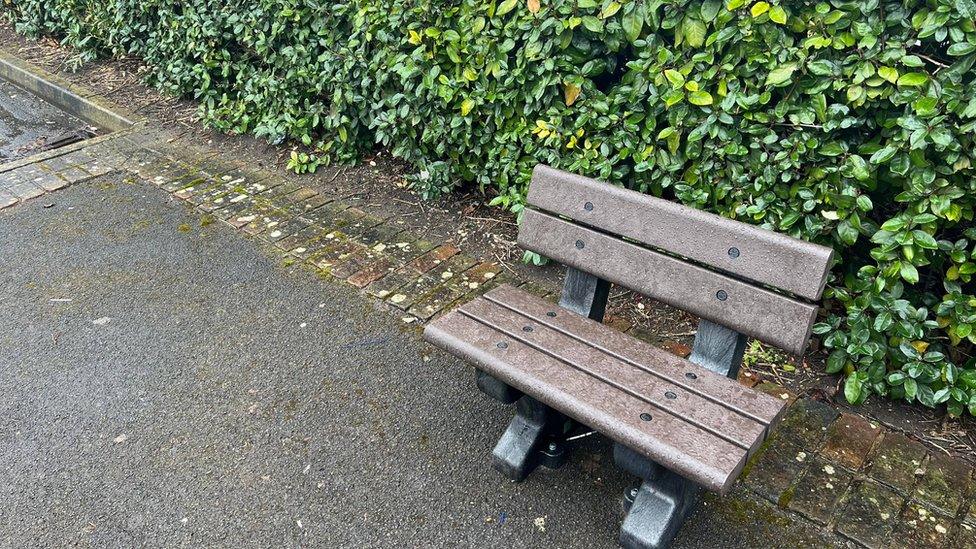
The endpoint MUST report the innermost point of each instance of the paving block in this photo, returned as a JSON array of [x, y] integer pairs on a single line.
[[870, 514], [52, 182], [390, 284], [97, 167], [301, 193], [316, 246], [73, 174], [286, 229], [336, 216], [477, 277], [24, 190], [805, 423], [313, 203], [215, 197], [818, 492], [453, 289], [327, 257], [944, 483], [63, 162], [239, 205], [421, 286], [371, 273], [354, 263], [176, 181], [921, 528], [195, 193], [777, 465], [302, 238], [964, 537], [849, 441], [433, 258], [896, 460], [7, 200], [267, 221], [407, 250]]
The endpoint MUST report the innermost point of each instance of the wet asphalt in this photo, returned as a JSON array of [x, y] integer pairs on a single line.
[[170, 384], [26, 122]]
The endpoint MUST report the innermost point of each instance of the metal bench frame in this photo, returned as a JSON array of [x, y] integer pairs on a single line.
[[660, 504]]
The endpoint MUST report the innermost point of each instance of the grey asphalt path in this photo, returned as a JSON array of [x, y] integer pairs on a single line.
[[195, 392]]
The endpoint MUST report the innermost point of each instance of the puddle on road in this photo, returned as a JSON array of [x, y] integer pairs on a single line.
[[29, 125]]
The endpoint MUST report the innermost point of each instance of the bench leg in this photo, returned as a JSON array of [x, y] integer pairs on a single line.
[[495, 388], [659, 507], [533, 438]]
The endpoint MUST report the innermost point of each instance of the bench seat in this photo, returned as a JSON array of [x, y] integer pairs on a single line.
[[697, 423]]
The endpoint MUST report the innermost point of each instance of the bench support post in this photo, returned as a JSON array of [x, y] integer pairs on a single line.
[[496, 388], [658, 506], [536, 434], [533, 438], [663, 501], [718, 348], [585, 294]]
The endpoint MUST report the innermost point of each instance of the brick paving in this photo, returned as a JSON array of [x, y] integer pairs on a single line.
[[873, 486]]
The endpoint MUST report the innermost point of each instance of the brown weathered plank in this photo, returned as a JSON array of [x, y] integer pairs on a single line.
[[757, 312], [656, 391], [678, 445], [715, 387], [766, 257]]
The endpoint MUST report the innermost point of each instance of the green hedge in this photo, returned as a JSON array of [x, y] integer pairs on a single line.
[[848, 123]]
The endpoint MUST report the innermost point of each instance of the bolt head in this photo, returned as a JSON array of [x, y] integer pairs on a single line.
[[588, 206], [722, 295], [633, 493], [579, 244], [553, 447], [734, 252]]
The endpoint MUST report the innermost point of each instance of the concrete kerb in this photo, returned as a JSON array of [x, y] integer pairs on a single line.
[[74, 100]]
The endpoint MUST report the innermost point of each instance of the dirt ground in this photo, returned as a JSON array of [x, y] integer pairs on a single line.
[[377, 183]]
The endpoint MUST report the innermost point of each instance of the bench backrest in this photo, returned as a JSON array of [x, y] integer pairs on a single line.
[[722, 270]]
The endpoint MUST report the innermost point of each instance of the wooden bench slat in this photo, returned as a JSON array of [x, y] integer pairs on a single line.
[[691, 452], [756, 312], [758, 406], [763, 256], [682, 405]]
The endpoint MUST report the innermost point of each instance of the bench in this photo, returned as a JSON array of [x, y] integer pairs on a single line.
[[679, 425]]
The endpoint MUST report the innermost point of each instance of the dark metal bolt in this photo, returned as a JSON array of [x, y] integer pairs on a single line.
[[551, 313], [579, 244], [553, 447], [733, 252], [722, 295], [645, 416], [588, 206], [670, 395], [633, 493], [527, 328], [502, 345], [691, 375]]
